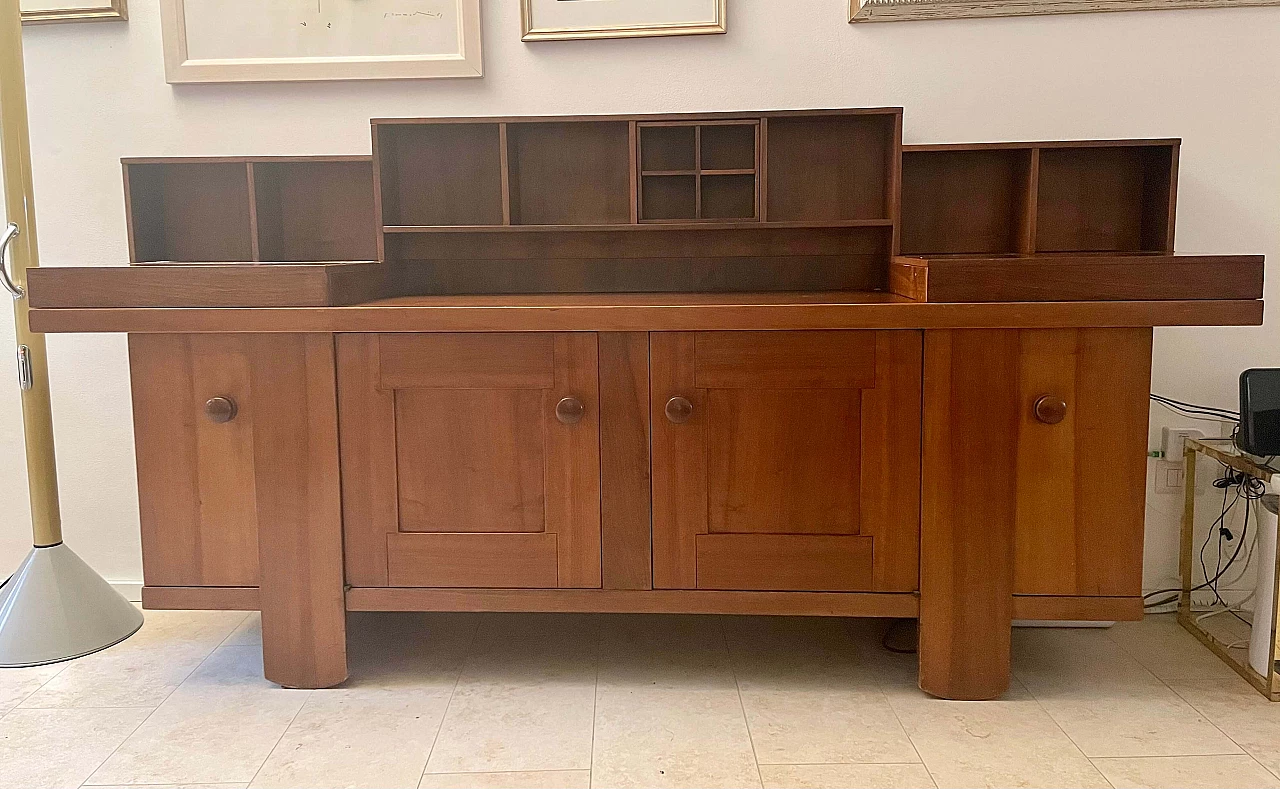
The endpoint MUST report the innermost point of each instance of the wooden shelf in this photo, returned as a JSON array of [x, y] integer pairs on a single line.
[[1091, 196], [250, 209], [683, 225], [1072, 277]]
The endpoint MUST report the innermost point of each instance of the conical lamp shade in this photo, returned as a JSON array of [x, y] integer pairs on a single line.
[[55, 607]]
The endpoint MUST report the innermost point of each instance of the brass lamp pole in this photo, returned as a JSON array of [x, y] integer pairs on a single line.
[[54, 607]]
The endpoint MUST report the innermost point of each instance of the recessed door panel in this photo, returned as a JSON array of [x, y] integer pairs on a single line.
[[470, 460], [786, 460], [783, 460]]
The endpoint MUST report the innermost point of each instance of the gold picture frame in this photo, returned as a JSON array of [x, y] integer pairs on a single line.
[[531, 30], [105, 11], [918, 10]]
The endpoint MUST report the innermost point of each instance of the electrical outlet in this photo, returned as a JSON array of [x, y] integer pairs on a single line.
[[1169, 476], [1173, 441]]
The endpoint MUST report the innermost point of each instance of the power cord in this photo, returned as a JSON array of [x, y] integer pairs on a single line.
[[1191, 410], [1250, 489]]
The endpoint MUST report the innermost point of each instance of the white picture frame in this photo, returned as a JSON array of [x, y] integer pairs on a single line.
[[558, 20], [207, 43], [912, 10], [39, 12]]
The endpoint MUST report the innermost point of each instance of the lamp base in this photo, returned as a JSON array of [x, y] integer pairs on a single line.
[[55, 608]]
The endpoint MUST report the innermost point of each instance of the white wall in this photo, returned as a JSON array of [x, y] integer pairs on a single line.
[[98, 93]]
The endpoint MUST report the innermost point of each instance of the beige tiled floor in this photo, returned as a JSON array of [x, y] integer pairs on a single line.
[[445, 701]]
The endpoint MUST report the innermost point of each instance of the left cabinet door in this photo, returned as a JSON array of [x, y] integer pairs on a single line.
[[193, 433], [470, 459]]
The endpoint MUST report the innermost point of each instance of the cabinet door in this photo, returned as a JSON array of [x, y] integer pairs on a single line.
[[1081, 475], [786, 460], [196, 488], [470, 460]]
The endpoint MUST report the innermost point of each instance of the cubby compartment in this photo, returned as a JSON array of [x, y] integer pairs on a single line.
[[831, 167], [966, 201], [440, 173], [728, 196], [188, 211], [667, 198], [728, 146], [1106, 198], [668, 147], [699, 171], [569, 173], [316, 210]]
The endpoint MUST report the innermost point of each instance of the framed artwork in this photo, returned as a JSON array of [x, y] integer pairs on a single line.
[[35, 12], [907, 10], [301, 40], [552, 20]]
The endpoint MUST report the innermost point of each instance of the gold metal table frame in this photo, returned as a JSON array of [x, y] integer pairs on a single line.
[[1223, 451]]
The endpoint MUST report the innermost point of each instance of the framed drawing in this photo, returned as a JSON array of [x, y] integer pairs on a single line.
[[907, 10], [35, 12], [300, 40], [551, 20]]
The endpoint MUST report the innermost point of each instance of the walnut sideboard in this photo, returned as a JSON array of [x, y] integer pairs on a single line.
[[750, 363]]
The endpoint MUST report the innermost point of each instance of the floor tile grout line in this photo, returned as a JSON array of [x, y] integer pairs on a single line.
[[903, 728], [595, 703], [742, 705], [1176, 756], [168, 784], [1048, 714], [223, 642], [37, 689], [143, 722], [910, 739], [1204, 715], [843, 764], [457, 679], [283, 732]]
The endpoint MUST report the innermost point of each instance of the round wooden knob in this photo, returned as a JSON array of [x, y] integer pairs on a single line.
[[221, 409], [679, 410], [570, 410], [1050, 409]]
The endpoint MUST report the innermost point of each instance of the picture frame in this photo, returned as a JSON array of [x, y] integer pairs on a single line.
[[205, 41], [560, 20], [39, 12], [911, 10]]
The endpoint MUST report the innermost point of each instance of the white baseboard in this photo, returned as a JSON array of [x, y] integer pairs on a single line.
[[132, 590]]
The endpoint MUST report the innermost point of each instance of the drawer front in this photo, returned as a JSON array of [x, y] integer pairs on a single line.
[[196, 490], [470, 460], [786, 460]]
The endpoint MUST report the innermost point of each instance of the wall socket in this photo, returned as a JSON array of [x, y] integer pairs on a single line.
[[1169, 471], [1173, 442]]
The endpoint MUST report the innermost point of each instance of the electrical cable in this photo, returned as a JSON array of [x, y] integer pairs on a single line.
[[1207, 410], [1247, 487]]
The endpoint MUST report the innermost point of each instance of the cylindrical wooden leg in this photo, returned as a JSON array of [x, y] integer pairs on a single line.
[[299, 509]]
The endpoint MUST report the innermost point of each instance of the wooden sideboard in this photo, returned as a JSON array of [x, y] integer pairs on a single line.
[[757, 363]]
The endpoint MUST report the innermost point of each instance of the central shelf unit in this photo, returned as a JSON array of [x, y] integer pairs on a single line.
[[791, 200]]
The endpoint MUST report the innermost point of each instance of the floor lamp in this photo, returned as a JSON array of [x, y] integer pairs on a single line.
[[54, 607]]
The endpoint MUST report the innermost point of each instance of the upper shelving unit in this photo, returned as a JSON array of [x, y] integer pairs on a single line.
[[1029, 198], [242, 209], [810, 200], [824, 168]]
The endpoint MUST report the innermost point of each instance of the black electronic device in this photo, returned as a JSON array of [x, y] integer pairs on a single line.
[[1260, 412]]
